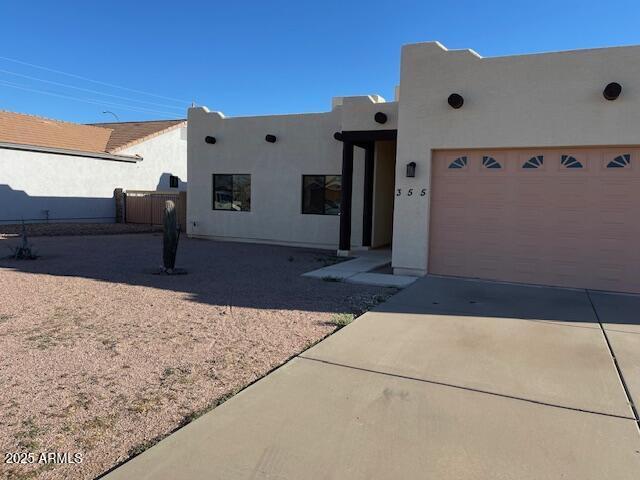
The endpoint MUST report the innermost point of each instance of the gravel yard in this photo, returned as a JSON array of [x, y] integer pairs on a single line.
[[100, 356]]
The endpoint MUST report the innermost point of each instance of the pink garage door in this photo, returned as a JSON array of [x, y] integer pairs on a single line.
[[566, 217]]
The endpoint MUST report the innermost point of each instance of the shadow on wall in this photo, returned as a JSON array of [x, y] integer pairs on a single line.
[[164, 183], [17, 205]]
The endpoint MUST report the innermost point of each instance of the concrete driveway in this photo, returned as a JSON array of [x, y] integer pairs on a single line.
[[450, 379]]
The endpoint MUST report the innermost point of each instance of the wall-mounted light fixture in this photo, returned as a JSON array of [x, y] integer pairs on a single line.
[[270, 138], [411, 169], [210, 139], [612, 91], [455, 100], [338, 136], [380, 117]]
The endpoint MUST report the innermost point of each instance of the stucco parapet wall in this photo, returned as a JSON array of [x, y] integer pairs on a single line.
[[532, 100], [203, 112], [354, 113], [436, 48], [235, 134], [361, 99], [72, 153], [359, 114]]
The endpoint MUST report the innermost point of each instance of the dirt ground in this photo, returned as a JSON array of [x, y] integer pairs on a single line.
[[100, 356]]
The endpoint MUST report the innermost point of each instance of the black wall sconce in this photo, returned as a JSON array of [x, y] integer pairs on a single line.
[[455, 100], [270, 138], [338, 136], [210, 139], [612, 91], [411, 169], [380, 117]]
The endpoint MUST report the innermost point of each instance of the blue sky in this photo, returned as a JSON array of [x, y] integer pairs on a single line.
[[246, 58]]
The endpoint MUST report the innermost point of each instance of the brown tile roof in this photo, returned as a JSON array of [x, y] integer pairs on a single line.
[[23, 129], [126, 134], [43, 132]]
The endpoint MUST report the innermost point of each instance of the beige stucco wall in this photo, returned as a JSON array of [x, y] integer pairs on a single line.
[[552, 99], [357, 113], [75, 188], [305, 146]]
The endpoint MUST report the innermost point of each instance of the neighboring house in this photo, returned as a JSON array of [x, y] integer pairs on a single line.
[[521, 168], [66, 172]]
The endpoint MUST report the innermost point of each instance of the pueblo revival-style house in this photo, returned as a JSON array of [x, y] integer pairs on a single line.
[[521, 168]]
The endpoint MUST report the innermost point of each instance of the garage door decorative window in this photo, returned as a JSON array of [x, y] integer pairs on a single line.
[[620, 161], [534, 162], [568, 161], [490, 162], [459, 162]]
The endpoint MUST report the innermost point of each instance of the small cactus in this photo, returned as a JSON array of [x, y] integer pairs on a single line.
[[170, 237]]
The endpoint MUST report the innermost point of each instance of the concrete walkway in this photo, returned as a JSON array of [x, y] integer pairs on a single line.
[[450, 379], [359, 270]]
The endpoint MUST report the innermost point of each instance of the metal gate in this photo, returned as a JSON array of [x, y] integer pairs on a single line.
[[147, 207]]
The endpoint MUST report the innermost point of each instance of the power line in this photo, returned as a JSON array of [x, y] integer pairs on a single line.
[[65, 85], [87, 100], [73, 75]]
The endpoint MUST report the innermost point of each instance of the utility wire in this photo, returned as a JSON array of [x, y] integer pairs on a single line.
[[73, 75], [66, 85], [87, 100]]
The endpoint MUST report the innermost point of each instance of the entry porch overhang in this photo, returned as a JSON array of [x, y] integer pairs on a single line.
[[365, 139]]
